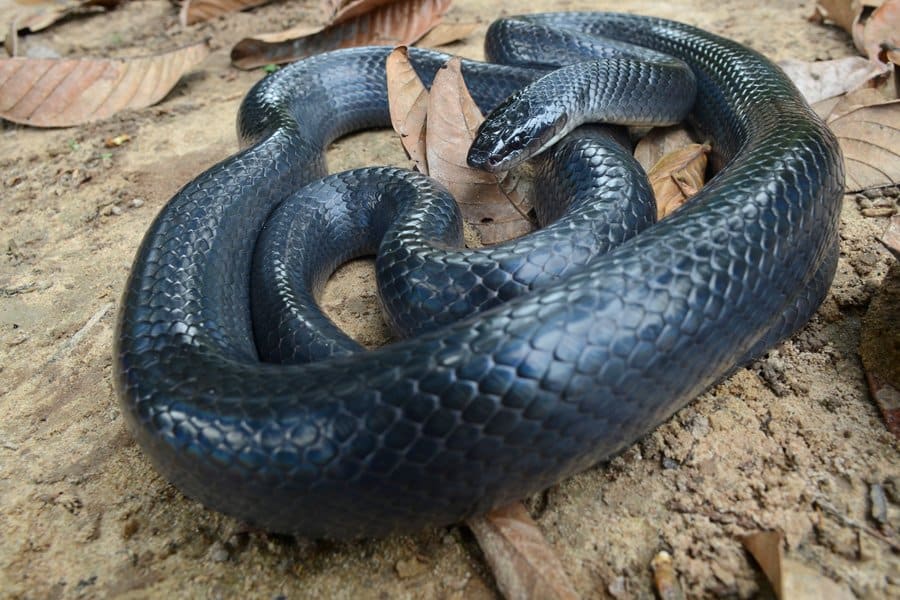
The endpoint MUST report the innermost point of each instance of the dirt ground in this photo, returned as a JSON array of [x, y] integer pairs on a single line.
[[793, 443]]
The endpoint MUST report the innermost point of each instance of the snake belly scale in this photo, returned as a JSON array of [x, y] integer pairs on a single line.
[[482, 412]]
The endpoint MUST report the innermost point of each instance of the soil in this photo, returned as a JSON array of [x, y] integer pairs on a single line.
[[793, 443]]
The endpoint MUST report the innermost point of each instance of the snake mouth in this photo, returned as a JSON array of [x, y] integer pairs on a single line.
[[494, 151]]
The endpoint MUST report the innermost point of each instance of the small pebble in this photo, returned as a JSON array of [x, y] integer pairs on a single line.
[[872, 193], [218, 552], [863, 202], [114, 209], [137, 203], [878, 503]]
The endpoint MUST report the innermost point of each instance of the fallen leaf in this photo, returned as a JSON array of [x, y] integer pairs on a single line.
[[493, 203], [659, 142], [678, 176], [823, 79], [524, 565], [195, 11], [879, 340], [399, 23], [344, 10], [791, 579], [664, 577], [867, 126], [44, 17], [446, 33], [64, 92], [872, 23], [877, 28], [408, 102]]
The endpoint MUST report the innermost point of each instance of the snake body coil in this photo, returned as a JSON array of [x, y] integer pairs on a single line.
[[478, 413]]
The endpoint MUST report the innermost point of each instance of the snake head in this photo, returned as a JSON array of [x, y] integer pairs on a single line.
[[515, 131]]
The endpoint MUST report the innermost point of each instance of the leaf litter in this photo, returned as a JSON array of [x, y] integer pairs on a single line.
[[401, 22], [44, 92]]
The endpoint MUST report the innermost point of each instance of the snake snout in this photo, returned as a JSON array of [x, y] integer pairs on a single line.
[[508, 138]]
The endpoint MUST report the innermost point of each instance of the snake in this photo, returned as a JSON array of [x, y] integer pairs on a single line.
[[532, 384]]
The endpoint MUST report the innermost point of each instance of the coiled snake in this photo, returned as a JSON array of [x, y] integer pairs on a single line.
[[476, 413]]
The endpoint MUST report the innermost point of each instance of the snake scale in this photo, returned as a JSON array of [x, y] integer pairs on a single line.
[[472, 414]]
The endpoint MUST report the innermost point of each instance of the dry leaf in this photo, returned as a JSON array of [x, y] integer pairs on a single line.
[[446, 33], [524, 565], [678, 176], [64, 92], [872, 23], [408, 102], [344, 10], [195, 11], [876, 28], [659, 142], [664, 577], [398, 23], [493, 203], [44, 17], [867, 126], [827, 78], [791, 579]]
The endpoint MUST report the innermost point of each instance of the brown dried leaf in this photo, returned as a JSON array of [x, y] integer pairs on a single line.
[[867, 126], [446, 33], [659, 142], [195, 11], [678, 176], [398, 23], [791, 579], [344, 10], [872, 23], [877, 26], [841, 12], [408, 101], [524, 565], [65, 92], [823, 79], [492, 203], [45, 16]]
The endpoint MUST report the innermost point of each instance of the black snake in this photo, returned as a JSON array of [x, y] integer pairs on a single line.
[[467, 415]]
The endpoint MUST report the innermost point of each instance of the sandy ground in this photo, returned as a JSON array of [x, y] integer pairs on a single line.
[[793, 444]]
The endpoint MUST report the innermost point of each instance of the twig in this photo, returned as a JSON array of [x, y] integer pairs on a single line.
[[79, 335], [834, 512]]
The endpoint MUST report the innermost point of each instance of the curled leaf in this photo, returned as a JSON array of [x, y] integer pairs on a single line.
[[823, 79], [873, 24], [867, 126], [408, 102], [678, 176], [492, 203], [195, 11], [64, 92], [398, 23], [524, 565]]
